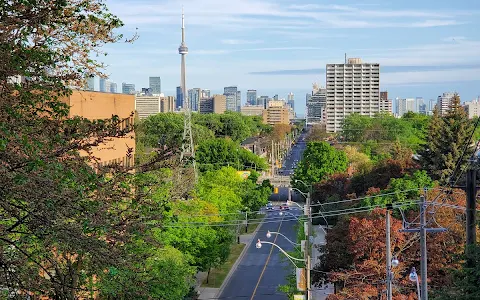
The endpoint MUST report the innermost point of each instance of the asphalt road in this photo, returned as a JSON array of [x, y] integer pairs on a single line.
[[261, 271]]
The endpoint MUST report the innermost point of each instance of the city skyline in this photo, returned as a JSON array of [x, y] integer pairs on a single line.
[[423, 48]]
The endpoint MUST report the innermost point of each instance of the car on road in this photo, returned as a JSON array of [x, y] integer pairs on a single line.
[[269, 206], [284, 207]]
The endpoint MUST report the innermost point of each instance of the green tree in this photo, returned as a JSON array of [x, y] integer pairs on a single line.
[[319, 160], [447, 137], [214, 154]]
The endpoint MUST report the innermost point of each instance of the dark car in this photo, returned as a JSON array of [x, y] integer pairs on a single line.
[[284, 207], [269, 206]]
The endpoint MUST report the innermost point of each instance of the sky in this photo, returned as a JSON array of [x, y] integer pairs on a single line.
[[424, 47]]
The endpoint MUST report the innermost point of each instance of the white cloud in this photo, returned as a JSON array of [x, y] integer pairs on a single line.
[[268, 13], [240, 42]]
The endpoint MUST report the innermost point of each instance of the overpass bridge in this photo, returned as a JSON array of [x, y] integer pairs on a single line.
[[278, 180]]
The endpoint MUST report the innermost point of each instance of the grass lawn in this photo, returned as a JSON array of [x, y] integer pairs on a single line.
[[217, 276]]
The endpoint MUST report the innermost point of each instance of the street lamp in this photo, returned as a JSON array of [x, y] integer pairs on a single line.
[[414, 277], [269, 235]]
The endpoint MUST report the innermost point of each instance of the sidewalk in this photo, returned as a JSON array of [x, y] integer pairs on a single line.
[[213, 293], [319, 293]]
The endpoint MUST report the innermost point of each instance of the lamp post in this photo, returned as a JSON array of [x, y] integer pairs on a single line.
[[414, 277]]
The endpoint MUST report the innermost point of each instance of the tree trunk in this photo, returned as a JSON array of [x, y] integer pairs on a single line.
[[208, 274]]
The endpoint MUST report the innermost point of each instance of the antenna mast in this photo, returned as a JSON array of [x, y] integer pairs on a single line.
[[188, 151]]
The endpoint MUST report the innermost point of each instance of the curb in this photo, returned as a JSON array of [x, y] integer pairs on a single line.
[[237, 262]]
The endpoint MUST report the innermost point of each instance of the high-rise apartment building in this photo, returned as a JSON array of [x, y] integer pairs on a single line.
[[113, 87], [316, 104], [128, 88], [291, 100], [385, 103], [179, 99], [443, 103], [239, 100], [353, 87], [252, 97], [155, 83], [276, 115], [216, 104], [103, 85], [194, 96], [233, 98], [472, 108]]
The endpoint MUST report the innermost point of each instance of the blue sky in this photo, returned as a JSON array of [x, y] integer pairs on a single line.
[[424, 47]]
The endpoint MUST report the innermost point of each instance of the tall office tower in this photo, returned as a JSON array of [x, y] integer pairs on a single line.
[[90, 86], [205, 94], [103, 85], [128, 88], [194, 96], [252, 97], [353, 87], [291, 100], [232, 98], [405, 105], [113, 87], [179, 99], [443, 103], [188, 151], [385, 103], [418, 102], [155, 83], [316, 103]]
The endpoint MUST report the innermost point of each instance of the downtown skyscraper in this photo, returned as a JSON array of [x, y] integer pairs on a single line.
[[252, 97], [155, 83], [233, 98]]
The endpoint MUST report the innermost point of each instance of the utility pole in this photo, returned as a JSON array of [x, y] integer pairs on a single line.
[[389, 255], [471, 208], [423, 244], [272, 155], [423, 249], [307, 246]]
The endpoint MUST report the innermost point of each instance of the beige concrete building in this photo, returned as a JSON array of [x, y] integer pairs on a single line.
[[443, 103], [252, 110], [353, 87], [276, 115], [97, 105], [472, 108], [216, 104], [146, 105]]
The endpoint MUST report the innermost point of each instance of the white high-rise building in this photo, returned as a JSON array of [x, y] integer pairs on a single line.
[[443, 102], [405, 105], [353, 87]]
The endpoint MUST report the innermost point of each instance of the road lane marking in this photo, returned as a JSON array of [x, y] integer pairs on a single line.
[[266, 263]]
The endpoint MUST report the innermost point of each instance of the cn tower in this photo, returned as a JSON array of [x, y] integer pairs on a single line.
[[188, 150], [183, 50]]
